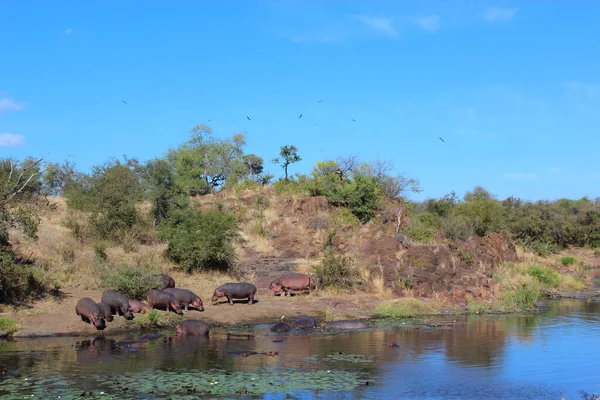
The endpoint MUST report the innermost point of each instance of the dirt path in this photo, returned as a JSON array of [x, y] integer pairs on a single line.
[[52, 317]]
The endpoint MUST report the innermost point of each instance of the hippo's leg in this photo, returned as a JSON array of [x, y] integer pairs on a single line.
[[186, 307], [251, 299], [230, 300]]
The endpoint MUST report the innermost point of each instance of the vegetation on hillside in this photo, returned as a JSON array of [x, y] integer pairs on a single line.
[[128, 204]]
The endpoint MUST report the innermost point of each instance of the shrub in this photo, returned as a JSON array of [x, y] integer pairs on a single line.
[[404, 308], [457, 227], [522, 291], [8, 325], [337, 271], [343, 216], [547, 276], [21, 282], [568, 260], [422, 227], [135, 282], [597, 251], [201, 239]]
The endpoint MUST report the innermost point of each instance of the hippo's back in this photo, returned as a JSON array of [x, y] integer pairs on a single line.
[[239, 288]]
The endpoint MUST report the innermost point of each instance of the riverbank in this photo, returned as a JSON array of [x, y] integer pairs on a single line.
[[56, 316]]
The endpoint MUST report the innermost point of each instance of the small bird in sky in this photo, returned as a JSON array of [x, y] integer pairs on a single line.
[[320, 101], [200, 93], [315, 124], [442, 140], [246, 132], [208, 119], [248, 118], [124, 101], [353, 120], [300, 116]]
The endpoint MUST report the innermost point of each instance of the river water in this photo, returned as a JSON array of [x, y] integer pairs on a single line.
[[552, 355]]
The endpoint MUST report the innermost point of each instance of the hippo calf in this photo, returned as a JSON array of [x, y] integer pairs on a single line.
[[343, 325], [105, 311], [240, 290], [118, 302], [159, 298], [304, 323], [290, 283], [281, 327], [186, 297], [138, 306], [193, 327], [89, 311]]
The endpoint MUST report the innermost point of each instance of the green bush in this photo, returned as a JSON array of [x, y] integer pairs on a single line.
[[523, 295], [201, 239], [337, 271], [547, 276], [568, 260], [135, 282], [343, 216], [422, 227], [8, 325], [597, 251], [21, 282], [457, 227]]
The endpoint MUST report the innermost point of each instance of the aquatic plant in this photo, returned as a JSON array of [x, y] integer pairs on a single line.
[[153, 384], [7, 325]]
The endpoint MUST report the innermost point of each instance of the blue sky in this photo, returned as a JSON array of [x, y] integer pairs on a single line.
[[512, 87]]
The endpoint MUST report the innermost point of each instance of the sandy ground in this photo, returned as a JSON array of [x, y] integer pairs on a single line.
[[50, 317]]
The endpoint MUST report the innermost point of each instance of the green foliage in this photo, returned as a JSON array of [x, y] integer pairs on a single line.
[[477, 307], [200, 239], [547, 276], [299, 185], [597, 251], [21, 282], [523, 295], [159, 179], [485, 213], [110, 194], [337, 271], [343, 216], [568, 260], [8, 325], [405, 308], [132, 281], [289, 155], [422, 227]]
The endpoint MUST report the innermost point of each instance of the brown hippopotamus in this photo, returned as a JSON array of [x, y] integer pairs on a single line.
[[281, 327], [118, 302], [238, 290], [343, 325], [106, 312], [291, 283], [186, 297], [89, 311], [138, 306], [193, 327], [159, 298], [166, 280], [304, 323]]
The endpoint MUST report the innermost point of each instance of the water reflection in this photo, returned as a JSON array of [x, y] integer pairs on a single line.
[[537, 356]]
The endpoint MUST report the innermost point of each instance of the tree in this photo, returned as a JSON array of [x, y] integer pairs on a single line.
[[158, 176], [392, 187], [204, 163], [289, 155], [19, 185]]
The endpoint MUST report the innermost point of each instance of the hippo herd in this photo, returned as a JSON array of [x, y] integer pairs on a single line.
[[170, 298]]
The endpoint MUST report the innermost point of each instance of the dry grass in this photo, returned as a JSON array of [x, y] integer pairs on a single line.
[[407, 307]]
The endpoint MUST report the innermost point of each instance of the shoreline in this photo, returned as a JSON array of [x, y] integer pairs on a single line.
[[341, 307]]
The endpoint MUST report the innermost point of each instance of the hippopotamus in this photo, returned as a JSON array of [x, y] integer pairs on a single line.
[[106, 312], [291, 283], [89, 311], [186, 297], [304, 323], [159, 298], [118, 302], [192, 327], [281, 327], [138, 306], [240, 290], [343, 325], [166, 280]]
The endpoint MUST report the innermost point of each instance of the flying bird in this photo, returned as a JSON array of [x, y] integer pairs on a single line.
[[208, 119], [315, 124], [248, 118], [442, 140], [199, 93], [124, 101], [353, 120], [300, 116], [320, 101]]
